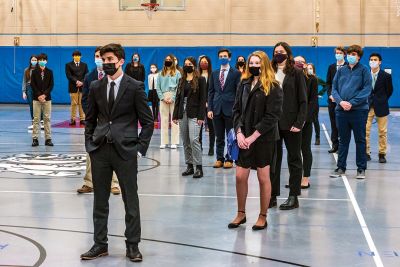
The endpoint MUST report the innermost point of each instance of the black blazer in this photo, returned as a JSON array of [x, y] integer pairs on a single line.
[[130, 106], [294, 100], [253, 110], [89, 78], [137, 73], [74, 74], [39, 86], [196, 101], [329, 78], [379, 98], [221, 101], [312, 98]]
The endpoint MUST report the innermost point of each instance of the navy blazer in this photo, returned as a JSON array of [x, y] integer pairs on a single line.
[[379, 98], [89, 78], [220, 101]]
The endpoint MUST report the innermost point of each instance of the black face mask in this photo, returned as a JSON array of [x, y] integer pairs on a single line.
[[254, 71], [279, 58], [241, 63], [109, 68], [188, 69], [168, 63]]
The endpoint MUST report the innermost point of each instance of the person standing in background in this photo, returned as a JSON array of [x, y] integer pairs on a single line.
[[152, 95], [311, 72], [241, 64], [27, 93], [135, 69]]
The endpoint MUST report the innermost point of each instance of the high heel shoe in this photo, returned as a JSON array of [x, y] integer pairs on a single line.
[[258, 227], [236, 225]]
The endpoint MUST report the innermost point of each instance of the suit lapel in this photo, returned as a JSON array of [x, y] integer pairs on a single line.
[[227, 78], [378, 79], [122, 87], [103, 88]]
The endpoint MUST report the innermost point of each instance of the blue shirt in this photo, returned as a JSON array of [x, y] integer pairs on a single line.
[[352, 85], [167, 83]]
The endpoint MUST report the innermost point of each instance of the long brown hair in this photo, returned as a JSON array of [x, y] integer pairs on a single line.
[[194, 83], [172, 68], [267, 75], [28, 70]]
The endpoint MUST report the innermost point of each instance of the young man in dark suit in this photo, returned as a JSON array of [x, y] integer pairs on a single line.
[[42, 83], [76, 71], [340, 53], [382, 89], [115, 106], [221, 97]]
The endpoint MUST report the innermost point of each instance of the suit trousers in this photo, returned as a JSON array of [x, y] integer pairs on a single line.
[[382, 131], [41, 110], [306, 137], [222, 125], [104, 161], [76, 103], [334, 129], [166, 110], [88, 175], [190, 133], [293, 147]]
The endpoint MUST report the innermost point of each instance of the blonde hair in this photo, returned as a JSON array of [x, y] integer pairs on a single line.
[[172, 68], [267, 75]]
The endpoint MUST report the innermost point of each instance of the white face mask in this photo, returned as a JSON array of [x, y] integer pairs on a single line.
[[153, 70], [373, 64], [310, 72]]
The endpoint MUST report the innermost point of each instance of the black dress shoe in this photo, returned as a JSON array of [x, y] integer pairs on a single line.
[[368, 157], [189, 170], [236, 225], [260, 227], [333, 150], [199, 172], [48, 142], [133, 253], [211, 152], [273, 203], [382, 158], [95, 252], [35, 142], [291, 203], [287, 186]]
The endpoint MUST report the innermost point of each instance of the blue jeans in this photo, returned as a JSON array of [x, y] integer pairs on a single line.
[[347, 121]]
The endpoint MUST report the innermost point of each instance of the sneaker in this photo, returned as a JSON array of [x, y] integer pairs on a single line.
[[162, 147], [84, 189], [360, 174], [115, 191], [218, 164], [30, 127], [382, 158], [228, 164], [174, 146], [35, 142], [48, 143], [337, 173]]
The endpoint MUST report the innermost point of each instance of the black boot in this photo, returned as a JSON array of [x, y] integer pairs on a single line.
[[189, 170], [291, 203], [199, 172], [382, 158], [211, 151]]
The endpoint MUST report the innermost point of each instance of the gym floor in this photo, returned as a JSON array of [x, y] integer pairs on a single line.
[[340, 222]]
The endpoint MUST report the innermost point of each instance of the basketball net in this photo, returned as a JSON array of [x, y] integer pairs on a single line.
[[151, 8]]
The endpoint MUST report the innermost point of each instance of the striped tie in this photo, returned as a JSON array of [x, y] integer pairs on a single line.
[[222, 79]]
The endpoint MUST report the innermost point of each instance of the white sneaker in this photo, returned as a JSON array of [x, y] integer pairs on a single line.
[[162, 147], [30, 127], [174, 146]]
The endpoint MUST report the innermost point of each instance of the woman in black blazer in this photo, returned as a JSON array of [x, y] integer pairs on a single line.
[[135, 69], [257, 108], [189, 110], [290, 124]]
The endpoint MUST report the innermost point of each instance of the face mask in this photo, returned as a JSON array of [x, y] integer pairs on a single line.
[[223, 61], [33, 63], [77, 58], [254, 71], [339, 57], [279, 58], [351, 59], [135, 59], [98, 62], [109, 68], [241, 63], [310, 72], [42, 63], [204, 65], [188, 69], [373, 64], [153, 70], [299, 65], [168, 63]]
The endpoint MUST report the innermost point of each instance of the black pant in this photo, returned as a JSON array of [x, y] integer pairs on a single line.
[[155, 106], [306, 136], [211, 133], [293, 147], [222, 125], [334, 129], [104, 160], [317, 128]]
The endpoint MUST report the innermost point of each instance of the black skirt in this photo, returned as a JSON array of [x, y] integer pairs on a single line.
[[259, 155], [153, 97]]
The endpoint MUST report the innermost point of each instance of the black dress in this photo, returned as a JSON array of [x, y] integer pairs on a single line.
[[253, 110], [137, 73]]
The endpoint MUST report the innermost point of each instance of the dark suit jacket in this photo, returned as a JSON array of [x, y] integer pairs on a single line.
[[89, 78], [74, 74], [312, 98], [329, 79], [39, 86], [379, 98], [294, 100], [221, 101], [196, 101], [130, 106]]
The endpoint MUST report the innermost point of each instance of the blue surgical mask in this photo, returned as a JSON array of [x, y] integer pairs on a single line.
[[352, 59], [33, 63], [42, 63], [135, 59], [99, 62], [223, 61], [339, 57]]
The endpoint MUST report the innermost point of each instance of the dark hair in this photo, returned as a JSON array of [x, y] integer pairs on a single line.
[[376, 55], [355, 48], [225, 50], [154, 64], [28, 70], [42, 56], [113, 48], [76, 53], [237, 60], [209, 69], [97, 49], [195, 81], [340, 48], [137, 54], [289, 67]]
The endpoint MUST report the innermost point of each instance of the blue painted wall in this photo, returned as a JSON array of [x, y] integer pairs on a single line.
[[10, 81]]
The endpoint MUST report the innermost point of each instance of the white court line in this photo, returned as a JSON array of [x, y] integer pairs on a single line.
[[360, 217], [164, 195]]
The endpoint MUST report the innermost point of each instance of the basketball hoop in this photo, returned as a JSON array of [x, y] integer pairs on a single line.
[[150, 8]]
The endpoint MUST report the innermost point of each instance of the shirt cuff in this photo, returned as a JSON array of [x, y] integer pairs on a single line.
[[139, 155]]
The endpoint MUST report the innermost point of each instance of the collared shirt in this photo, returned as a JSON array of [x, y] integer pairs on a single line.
[[116, 86], [374, 78], [225, 72], [338, 66], [77, 63], [280, 75]]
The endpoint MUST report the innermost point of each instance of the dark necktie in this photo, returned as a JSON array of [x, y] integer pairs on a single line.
[[111, 96], [152, 86], [222, 78], [77, 64]]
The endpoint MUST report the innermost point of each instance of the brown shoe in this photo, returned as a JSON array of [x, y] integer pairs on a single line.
[[115, 191], [84, 189], [218, 164], [228, 165]]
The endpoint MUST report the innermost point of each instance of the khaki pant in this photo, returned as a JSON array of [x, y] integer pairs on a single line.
[[76, 102], [382, 132], [88, 175], [165, 111], [40, 108]]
